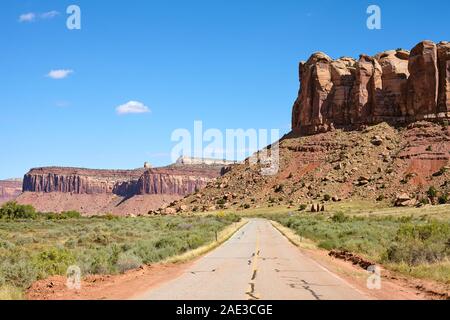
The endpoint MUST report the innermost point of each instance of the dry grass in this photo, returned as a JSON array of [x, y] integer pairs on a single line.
[[222, 237]]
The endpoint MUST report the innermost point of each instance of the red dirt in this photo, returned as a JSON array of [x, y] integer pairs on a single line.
[[107, 287], [135, 282]]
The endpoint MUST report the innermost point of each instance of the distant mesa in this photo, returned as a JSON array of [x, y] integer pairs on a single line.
[[203, 161], [10, 189]]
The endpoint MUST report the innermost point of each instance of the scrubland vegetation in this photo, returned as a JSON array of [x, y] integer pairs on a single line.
[[415, 245], [37, 245]]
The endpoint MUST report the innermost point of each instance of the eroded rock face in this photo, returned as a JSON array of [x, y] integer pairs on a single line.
[[444, 76], [423, 80], [179, 181], [173, 180], [394, 75], [315, 75], [9, 190], [81, 181], [366, 90], [395, 86]]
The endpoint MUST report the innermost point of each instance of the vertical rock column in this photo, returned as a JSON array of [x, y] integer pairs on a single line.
[[367, 90], [315, 78], [423, 81], [444, 77]]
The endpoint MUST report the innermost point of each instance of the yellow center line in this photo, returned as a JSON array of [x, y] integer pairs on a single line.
[[251, 287]]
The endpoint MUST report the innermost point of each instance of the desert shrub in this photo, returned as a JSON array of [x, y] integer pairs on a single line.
[[127, 261], [221, 202], [432, 192], [302, 207], [53, 261], [327, 197], [443, 199], [231, 218], [246, 206], [416, 244], [339, 217], [17, 270], [12, 210]]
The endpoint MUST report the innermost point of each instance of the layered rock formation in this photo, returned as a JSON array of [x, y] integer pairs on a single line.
[[177, 180], [397, 87], [114, 191], [10, 189], [82, 181]]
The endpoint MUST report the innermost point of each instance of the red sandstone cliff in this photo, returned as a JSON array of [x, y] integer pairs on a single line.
[[9, 190], [122, 192], [397, 87], [176, 180]]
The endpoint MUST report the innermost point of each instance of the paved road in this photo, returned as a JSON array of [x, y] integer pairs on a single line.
[[258, 262]]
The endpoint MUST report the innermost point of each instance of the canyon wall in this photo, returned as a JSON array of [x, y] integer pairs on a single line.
[[9, 190], [82, 181], [395, 86], [119, 192], [175, 180]]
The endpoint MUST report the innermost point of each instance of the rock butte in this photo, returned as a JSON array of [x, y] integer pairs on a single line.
[[397, 87]]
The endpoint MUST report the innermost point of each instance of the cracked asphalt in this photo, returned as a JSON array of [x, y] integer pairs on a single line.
[[258, 262]]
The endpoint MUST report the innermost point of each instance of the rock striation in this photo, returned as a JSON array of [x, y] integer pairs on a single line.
[[119, 192], [82, 181], [175, 180], [397, 87], [10, 189]]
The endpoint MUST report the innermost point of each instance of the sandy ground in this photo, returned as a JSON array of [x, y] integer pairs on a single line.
[[313, 266]]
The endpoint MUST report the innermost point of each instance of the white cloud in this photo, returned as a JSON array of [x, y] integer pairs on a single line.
[[132, 107], [59, 74], [31, 16], [49, 15], [27, 17]]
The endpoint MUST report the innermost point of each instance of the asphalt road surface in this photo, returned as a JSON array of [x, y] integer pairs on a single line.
[[258, 262]]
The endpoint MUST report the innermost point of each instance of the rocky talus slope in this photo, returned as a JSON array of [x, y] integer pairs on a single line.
[[377, 163]]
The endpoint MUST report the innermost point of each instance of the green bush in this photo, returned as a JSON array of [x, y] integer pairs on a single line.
[[339, 217], [221, 202], [302, 207], [432, 192], [53, 261], [443, 199], [327, 197], [12, 210], [128, 261], [417, 244]]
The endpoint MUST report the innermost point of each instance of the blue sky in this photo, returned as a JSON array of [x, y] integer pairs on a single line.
[[229, 63]]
